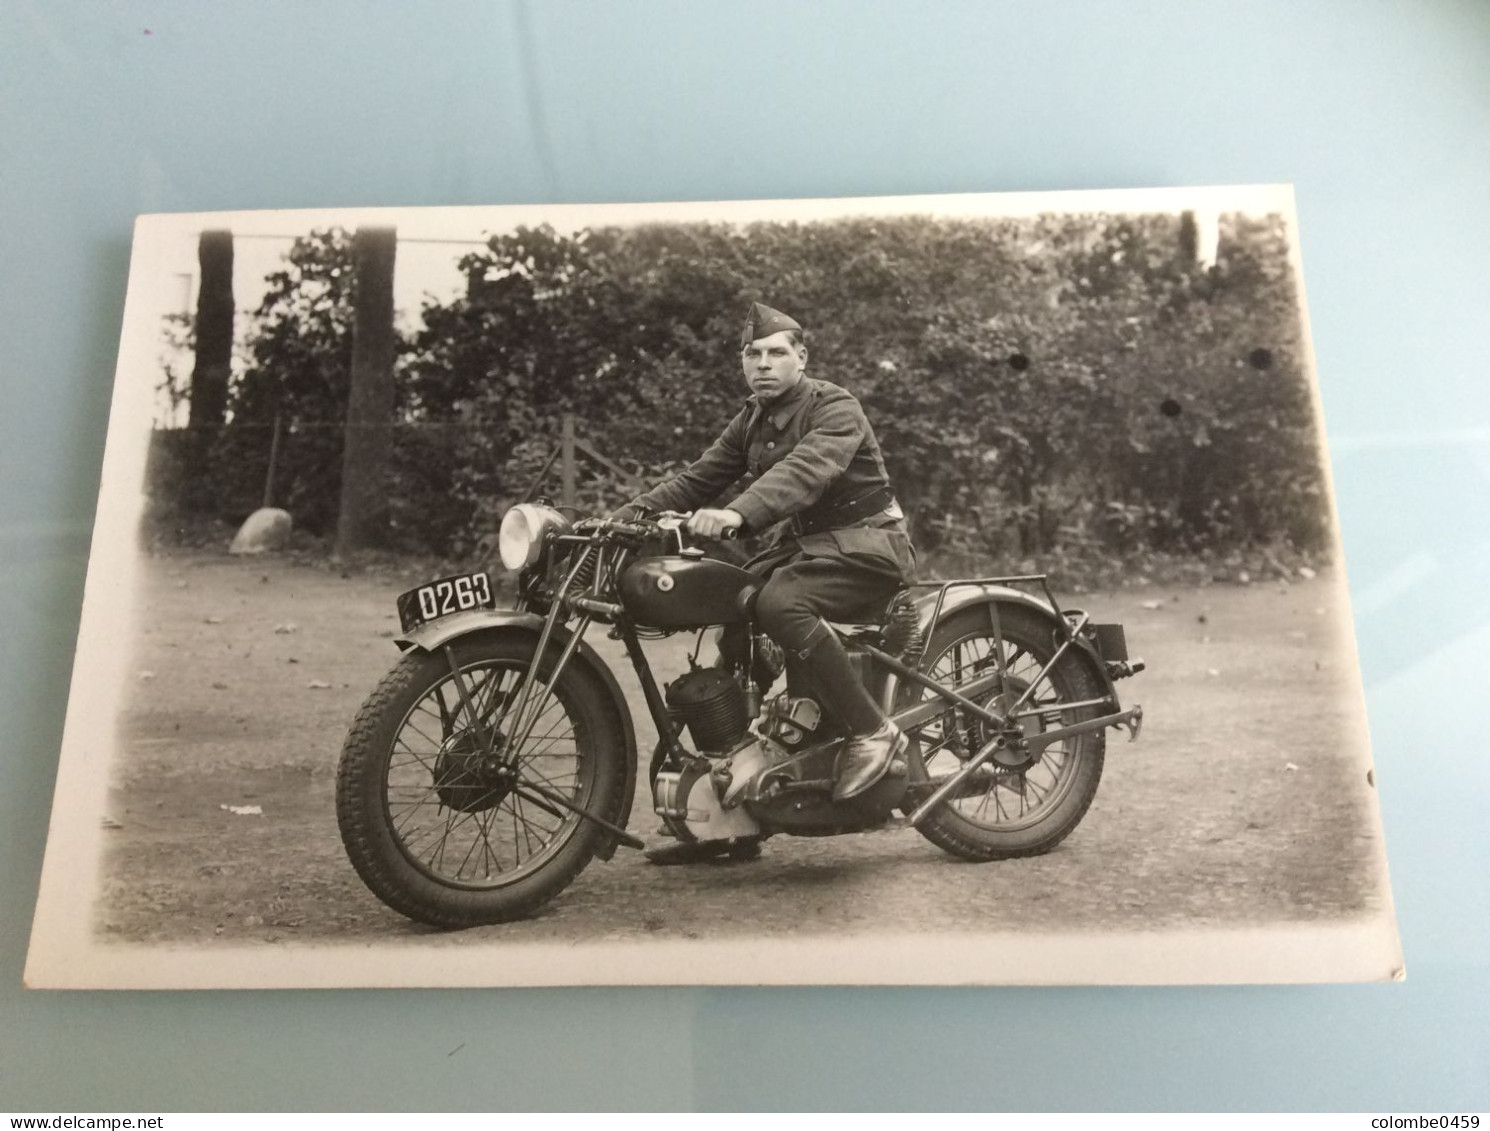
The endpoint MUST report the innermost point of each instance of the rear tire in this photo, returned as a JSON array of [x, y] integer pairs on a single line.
[[1000, 814], [432, 830]]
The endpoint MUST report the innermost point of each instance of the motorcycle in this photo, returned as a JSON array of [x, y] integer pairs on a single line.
[[498, 757]]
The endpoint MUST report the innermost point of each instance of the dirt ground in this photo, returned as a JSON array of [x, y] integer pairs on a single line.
[[1244, 802]]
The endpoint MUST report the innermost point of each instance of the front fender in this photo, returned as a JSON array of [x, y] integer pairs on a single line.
[[436, 634]]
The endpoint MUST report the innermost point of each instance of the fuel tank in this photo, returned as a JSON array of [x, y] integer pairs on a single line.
[[676, 592]]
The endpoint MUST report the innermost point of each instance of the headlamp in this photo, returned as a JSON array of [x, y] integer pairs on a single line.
[[524, 528]]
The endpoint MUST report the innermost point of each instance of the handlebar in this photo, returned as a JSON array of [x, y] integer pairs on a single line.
[[614, 526], [649, 528]]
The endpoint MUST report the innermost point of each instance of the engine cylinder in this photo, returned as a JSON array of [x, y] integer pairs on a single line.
[[711, 704]]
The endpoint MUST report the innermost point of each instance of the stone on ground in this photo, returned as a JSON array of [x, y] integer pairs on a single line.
[[264, 531]]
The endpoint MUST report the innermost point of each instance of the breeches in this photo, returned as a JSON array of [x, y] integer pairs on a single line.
[[800, 594]]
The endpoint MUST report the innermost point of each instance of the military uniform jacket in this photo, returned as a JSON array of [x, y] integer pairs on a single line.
[[805, 454]]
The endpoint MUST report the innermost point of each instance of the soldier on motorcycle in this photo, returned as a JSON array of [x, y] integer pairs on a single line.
[[481, 775], [841, 549]]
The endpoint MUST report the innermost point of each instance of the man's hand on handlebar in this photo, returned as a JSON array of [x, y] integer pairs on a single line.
[[718, 524], [628, 513], [715, 523]]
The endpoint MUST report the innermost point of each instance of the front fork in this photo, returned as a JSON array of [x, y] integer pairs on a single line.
[[527, 712], [672, 751]]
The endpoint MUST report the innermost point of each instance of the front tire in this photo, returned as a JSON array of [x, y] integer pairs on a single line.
[[437, 829], [1003, 814]]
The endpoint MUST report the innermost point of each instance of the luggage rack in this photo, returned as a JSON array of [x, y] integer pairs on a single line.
[[1040, 579]]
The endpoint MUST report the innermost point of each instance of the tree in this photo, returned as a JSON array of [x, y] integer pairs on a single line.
[[1063, 388], [368, 443], [297, 368], [214, 353]]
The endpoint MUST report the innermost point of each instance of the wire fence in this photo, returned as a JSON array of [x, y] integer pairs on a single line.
[[446, 482], [447, 485]]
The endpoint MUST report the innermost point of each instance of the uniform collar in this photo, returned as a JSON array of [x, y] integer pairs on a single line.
[[784, 408]]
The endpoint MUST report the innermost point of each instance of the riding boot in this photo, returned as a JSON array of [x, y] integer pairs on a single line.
[[826, 663], [873, 740]]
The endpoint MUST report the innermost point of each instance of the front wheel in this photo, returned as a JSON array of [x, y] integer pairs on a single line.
[[456, 813], [1020, 808]]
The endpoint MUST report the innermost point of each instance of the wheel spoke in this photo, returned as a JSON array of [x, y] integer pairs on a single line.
[[447, 803], [456, 821], [433, 742], [413, 757], [1047, 781], [461, 867], [536, 779], [991, 791], [552, 738], [520, 821], [488, 853], [484, 697], [439, 854], [447, 721]]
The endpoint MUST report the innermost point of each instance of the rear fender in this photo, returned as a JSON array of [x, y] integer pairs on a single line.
[[436, 634], [968, 596]]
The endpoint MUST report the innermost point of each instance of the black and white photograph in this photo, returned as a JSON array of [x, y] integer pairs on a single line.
[[939, 590]]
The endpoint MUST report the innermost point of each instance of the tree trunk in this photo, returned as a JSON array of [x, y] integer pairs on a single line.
[[363, 520], [566, 479], [214, 355], [1199, 238]]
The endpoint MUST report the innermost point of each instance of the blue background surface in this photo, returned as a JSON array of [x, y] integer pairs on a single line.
[[1379, 113]]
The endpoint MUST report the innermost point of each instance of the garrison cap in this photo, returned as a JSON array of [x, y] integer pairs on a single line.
[[762, 322]]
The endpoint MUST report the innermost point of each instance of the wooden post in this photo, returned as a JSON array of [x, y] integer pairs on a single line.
[[273, 463], [363, 517], [527, 496], [566, 493]]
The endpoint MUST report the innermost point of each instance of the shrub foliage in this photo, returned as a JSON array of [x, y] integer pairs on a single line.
[[1058, 388]]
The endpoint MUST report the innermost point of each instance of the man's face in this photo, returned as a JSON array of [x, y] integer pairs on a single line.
[[773, 366]]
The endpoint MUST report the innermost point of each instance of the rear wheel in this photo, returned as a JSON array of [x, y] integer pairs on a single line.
[[1017, 806], [456, 813]]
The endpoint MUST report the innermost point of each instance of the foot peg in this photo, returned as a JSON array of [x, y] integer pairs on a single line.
[[704, 851]]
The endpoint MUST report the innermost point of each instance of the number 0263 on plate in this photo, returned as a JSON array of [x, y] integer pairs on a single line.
[[434, 599]]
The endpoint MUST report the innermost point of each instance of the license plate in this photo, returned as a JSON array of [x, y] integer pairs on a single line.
[[435, 599]]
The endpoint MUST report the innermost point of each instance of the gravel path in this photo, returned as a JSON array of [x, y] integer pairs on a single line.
[[1244, 802]]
